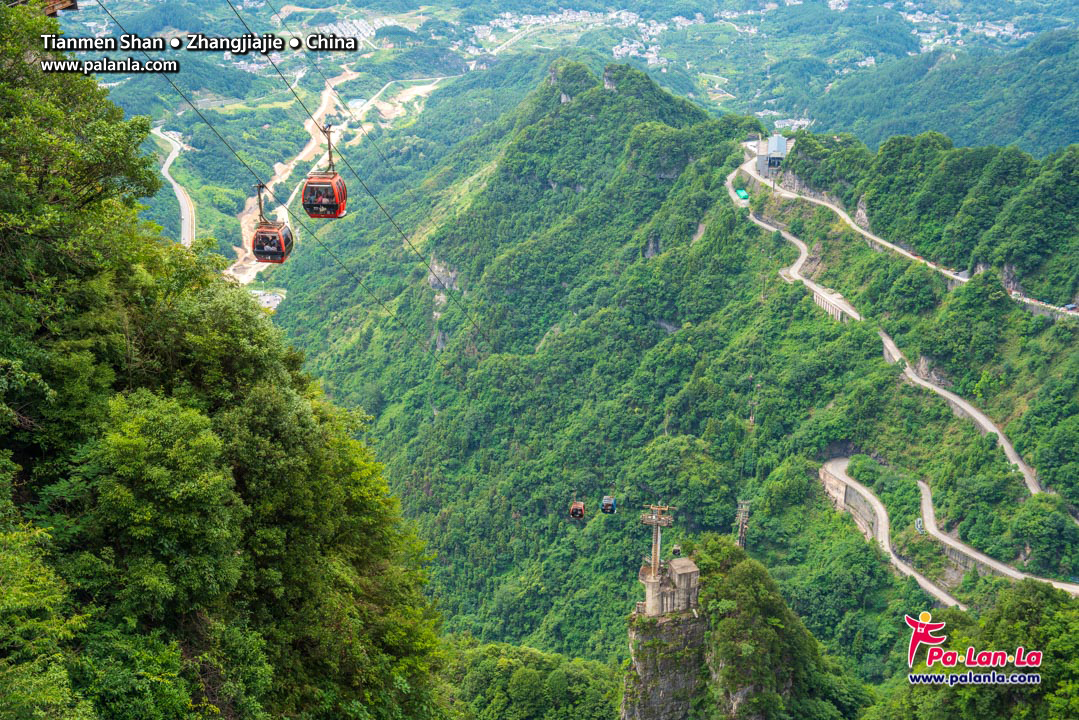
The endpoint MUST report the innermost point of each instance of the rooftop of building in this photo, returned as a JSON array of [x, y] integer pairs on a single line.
[[777, 145]]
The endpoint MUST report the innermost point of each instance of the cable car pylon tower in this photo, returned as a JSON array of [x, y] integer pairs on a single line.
[[743, 522], [658, 516], [670, 588]]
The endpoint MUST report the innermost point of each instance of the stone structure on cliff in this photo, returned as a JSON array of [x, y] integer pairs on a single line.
[[666, 634], [669, 587]]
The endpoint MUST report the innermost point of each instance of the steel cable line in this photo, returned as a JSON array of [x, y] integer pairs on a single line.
[[367, 189], [377, 145], [313, 234], [526, 445], [419, 341], [382, 155]]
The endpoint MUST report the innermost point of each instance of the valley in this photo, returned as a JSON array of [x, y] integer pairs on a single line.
[[246, 267], [187, 208], [341, 486]]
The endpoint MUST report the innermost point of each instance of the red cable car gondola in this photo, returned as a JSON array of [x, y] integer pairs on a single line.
[[324, 193], [272, 242], [576, 510]]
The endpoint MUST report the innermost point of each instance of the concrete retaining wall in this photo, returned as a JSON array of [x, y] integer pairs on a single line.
[[967, 562], [847, 498], [825, 302]]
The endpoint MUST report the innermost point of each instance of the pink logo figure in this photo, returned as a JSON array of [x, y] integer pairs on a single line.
[[922, 633]]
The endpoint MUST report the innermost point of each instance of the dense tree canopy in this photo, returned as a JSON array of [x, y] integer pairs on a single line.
[[965, 208], [188, 528]]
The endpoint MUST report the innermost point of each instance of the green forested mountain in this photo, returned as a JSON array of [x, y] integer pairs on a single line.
[[188, 528], [763, 661], [1017, 367], [632, 335], [1032, 611], [494, 681], [963, 207], [1029, 97]]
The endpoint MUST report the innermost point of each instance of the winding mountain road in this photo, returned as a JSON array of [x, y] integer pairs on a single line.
[[891, 350], [838, 468], [750, 168], [929, 519], [980, 419], [187, 208], [794, 272]]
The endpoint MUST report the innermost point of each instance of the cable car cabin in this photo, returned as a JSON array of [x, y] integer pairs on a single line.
[[325, 195], [273, 242], [609, 505], [576, 510]]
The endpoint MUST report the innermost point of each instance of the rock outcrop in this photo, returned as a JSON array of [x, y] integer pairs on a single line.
[[741, 654], [666, 661]]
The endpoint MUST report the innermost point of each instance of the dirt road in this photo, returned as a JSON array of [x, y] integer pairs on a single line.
[[246, 268]]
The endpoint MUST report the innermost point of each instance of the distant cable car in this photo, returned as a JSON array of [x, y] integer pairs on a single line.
[[576, 510], [272, 242], [324, 192], [609, 505]]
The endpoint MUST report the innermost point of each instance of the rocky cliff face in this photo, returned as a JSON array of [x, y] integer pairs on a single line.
[[747, 656], [789, 181], [666, 670]]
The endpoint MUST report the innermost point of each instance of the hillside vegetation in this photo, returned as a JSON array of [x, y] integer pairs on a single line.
[[763, 661], [962, 207], [188, 528], [1028, 97], [632, 336], [974, 338]]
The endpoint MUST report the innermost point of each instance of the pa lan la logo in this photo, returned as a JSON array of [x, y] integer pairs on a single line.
[[922, 630]]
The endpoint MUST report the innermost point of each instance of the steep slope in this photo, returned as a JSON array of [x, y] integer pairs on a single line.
[[189, 528], [633, 337], [1012, 365], [744, 655], [1044, 619], [762, 661], [962, 207]]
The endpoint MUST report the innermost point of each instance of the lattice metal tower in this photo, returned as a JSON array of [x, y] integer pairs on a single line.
[[743, 521], [658, 517]]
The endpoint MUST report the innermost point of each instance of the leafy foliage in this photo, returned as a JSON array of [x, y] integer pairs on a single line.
[[496, 681], [962, 207], [1024, 97], [1028, 614], [221, 540], [766, 663], [634, 338]]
